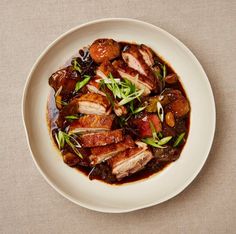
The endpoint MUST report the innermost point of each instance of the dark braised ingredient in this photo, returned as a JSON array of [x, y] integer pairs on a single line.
[[107, 68], [65, 79], [71, 159], [179, 107], [171, 78], [104, 49], [167, 154], [101, 138]]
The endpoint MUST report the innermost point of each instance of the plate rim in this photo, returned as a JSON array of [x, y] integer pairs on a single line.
[[115, 210]]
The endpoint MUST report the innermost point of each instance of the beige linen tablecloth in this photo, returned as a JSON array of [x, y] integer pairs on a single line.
[[29, 205]]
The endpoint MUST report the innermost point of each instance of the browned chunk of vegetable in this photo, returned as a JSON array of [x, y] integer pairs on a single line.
[[104, 49], [170, 119], [171, 78], [179, 107]]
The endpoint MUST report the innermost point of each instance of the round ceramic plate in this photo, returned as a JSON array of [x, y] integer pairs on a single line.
[[94, 194]]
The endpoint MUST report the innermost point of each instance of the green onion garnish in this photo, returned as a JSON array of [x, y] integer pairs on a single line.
[[164, 140], [160, 111], [152, 142], [62, 138], [76, 65], [179, 139], [71, 117], [82, 83]]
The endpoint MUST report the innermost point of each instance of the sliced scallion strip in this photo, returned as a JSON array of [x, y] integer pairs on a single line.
[[152, 142], [82, 83], [60, 139], [164, 71], [76, 65], [71, 117], [179, 139], [63, 138], [154, 133], [139, 109], [131, 97], [160, 111], [164, 140]]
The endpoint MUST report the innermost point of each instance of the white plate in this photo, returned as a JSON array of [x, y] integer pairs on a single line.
[[94, 194]]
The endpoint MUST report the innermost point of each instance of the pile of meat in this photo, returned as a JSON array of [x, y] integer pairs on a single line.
[[96, 127]]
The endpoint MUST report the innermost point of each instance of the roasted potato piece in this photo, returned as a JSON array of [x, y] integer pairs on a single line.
[[104, 49], [180, 107]]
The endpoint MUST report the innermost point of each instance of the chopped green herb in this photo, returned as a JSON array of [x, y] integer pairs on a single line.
[[158, 75], [139, 109], [131, 97], [179, 139], [102, 87], [124, 90], [82, 83], [71, 117], [160, 135], [60, 139], [164, 71], [154, 133], [164, 140], [152, 142], [63, 138], [76, 65]]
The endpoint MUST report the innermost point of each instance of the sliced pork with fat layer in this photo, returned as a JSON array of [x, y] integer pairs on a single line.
[[101, 138], [129, 161], [93, 103], [92, 123], [102, 153]]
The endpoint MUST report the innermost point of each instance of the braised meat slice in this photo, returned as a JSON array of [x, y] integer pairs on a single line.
[[140, 59], [64, 79], [140, 81], [93, 103], [101, 138], [106, 68], [102, 153], [92, 123], [147, 55], [94, 87], [129, 161], [134, 59], [104, 49]]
